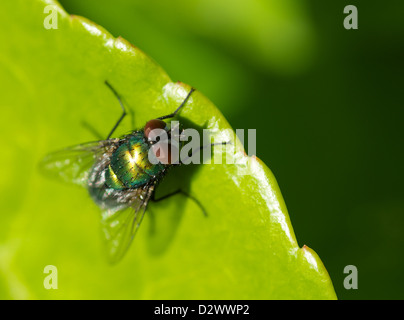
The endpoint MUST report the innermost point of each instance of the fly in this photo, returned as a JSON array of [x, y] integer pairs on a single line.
[[119, 176]]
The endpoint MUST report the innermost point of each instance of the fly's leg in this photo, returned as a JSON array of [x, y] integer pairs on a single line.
[[171, 115], [204, 147], [122, 106], [179, 191]]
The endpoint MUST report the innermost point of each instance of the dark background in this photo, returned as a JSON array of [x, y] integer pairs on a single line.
[[327, 106]]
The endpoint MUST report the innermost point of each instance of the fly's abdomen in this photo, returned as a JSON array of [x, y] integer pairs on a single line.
[[130, 166]]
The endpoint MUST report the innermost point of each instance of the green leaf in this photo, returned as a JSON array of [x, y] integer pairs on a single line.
[[53, 83]]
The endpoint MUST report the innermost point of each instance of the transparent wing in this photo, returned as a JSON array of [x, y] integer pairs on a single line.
[[119, 225], [74, 163]]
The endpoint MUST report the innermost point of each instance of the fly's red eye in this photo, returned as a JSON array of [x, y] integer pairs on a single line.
[[151, 125], [166, 153]]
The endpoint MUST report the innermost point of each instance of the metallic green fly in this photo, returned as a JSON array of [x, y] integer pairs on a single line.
[[118, 176]]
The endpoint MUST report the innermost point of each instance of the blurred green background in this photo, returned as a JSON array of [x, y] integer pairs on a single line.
[[326, 103]]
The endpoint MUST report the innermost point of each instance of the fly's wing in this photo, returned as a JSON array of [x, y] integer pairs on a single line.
[[74, 163], [119, 225]]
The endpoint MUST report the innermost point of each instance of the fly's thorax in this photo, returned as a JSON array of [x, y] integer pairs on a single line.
[[130, 166]]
